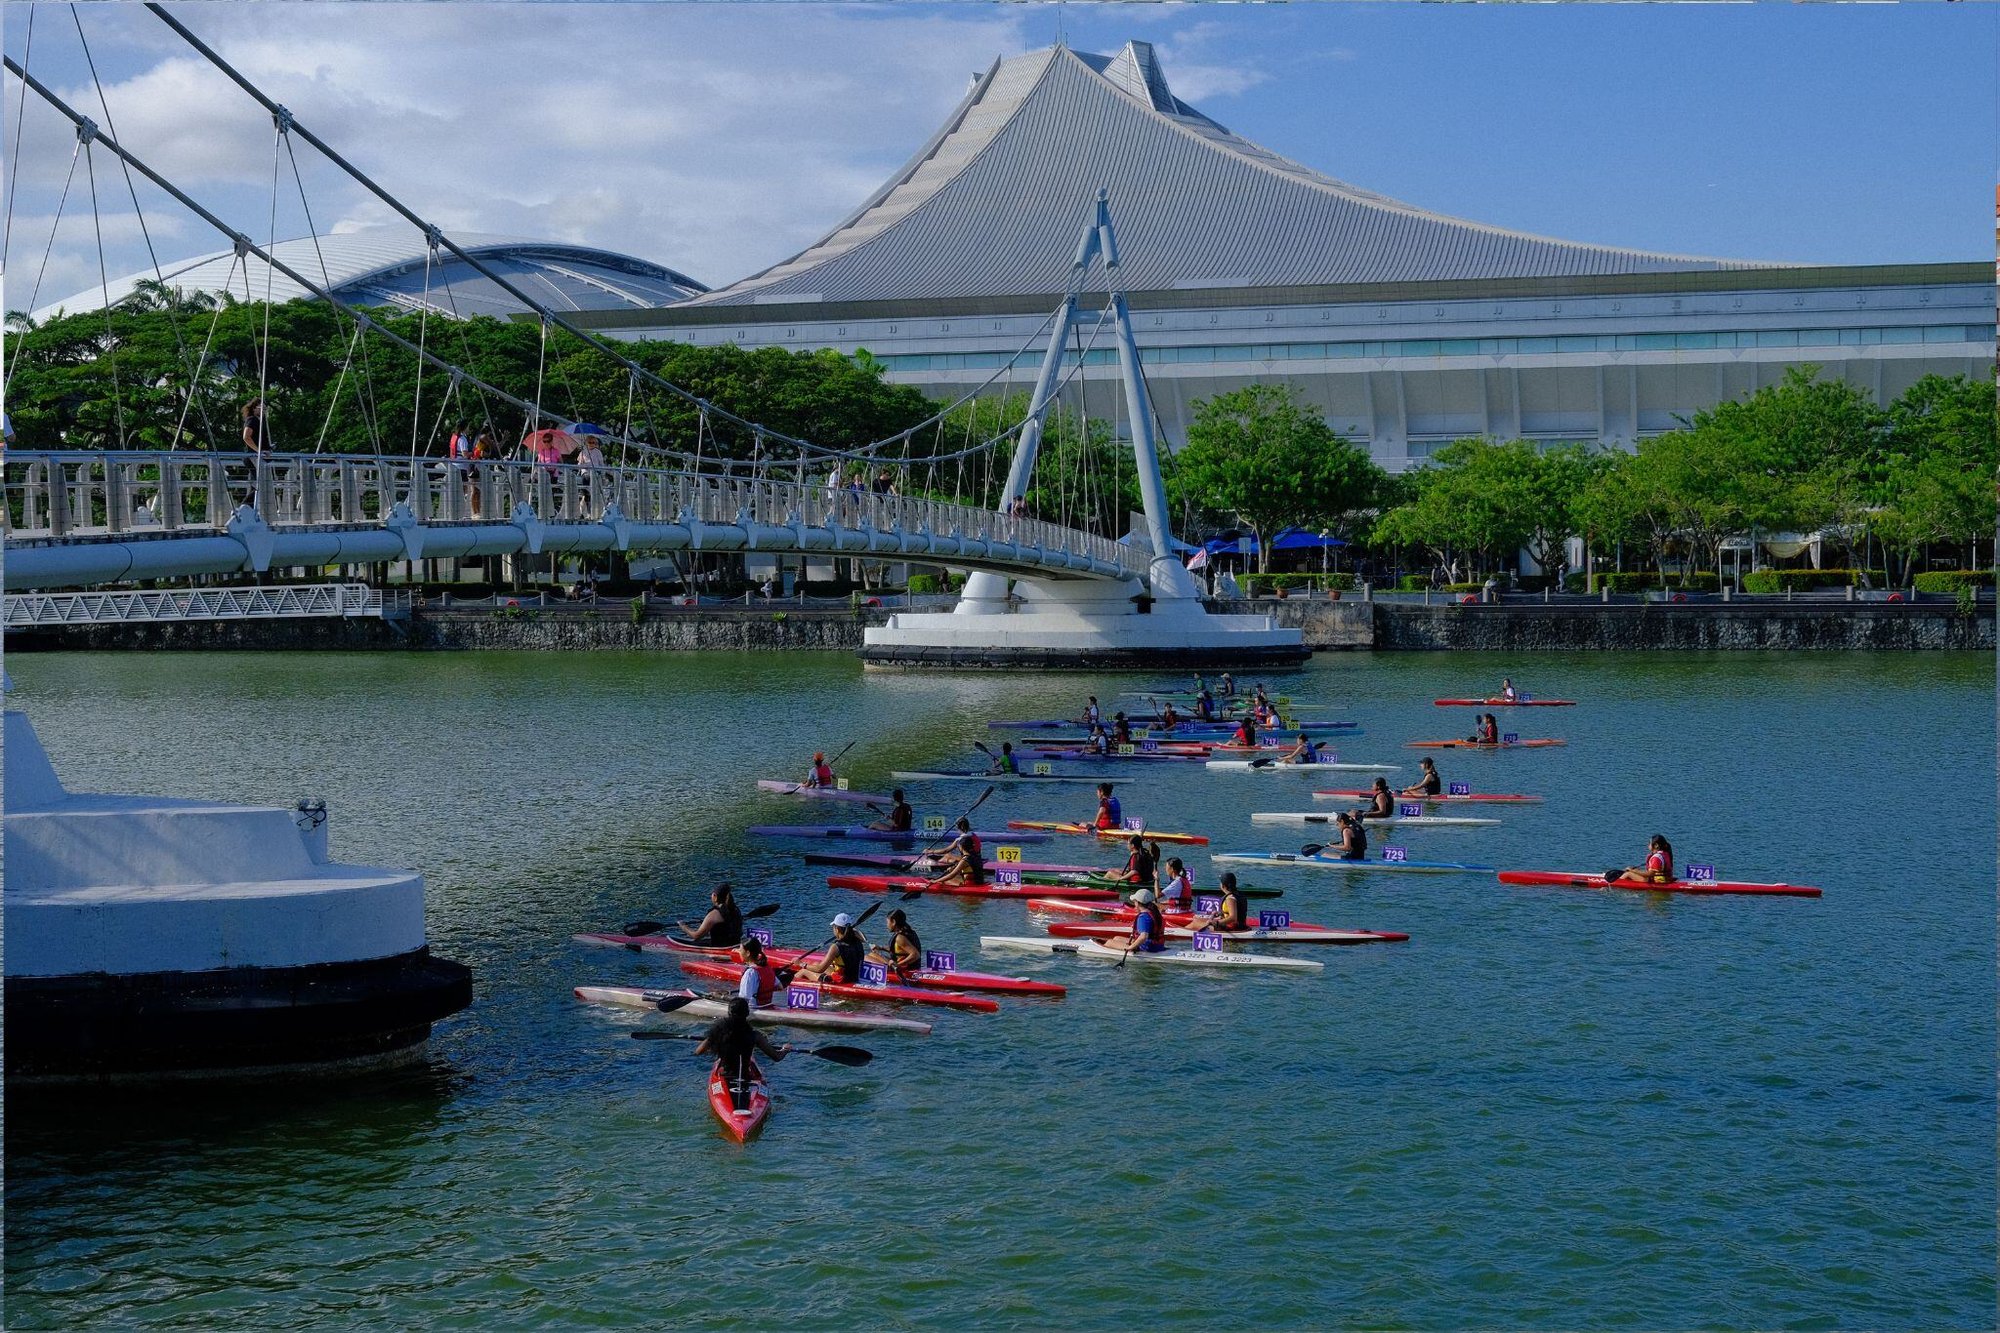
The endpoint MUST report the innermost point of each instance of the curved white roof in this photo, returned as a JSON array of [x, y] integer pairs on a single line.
[[386, 266], [993, 204]]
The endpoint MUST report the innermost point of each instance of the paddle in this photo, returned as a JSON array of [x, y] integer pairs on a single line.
[[851, 1056], [917, 893], [787, 973], [655, 927]]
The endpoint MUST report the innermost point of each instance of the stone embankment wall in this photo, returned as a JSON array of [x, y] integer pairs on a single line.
[[1655, 626], [1347, 623]]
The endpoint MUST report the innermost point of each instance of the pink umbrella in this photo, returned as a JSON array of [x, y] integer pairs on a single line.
[[549, 445]]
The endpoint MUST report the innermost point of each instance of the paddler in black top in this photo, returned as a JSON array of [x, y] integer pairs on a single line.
[[1381, 802], [1228, 686], [1121, 730], [722, 928], [901, 818], [964, 861], [1004, 762], [1427, 785], [842, 961], [906, 951], [1353, 838], [1140, 863], [734, 1042], [1204, 706], [1233, 914]]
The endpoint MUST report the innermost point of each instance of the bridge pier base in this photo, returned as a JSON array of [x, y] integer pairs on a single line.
[[1081, 624]]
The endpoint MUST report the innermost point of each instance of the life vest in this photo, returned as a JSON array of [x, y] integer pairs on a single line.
[[1109, 813], [1178, 889], [847, 960], [901, 818], [767, 981], [727, 932], [1235, 913], [1658, 863], [1154, 925], [822, 775]]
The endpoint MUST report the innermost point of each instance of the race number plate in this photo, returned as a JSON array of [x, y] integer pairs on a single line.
[[1207, 904], [1269, 742], [759, 934], [1269, 920], [1009, 853], [801, 997], [934, 823], [1410, 810], [1509, 737], [874, 974], [1460, 789], [840, 784], [937, 960], [1207, 941], [1699, 872], [1395, 854], [1150, 747], [1128, 749], [1009, 878], [1043, 770], [1134, 824]]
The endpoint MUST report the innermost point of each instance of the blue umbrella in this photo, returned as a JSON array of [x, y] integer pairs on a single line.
[[585, 428]]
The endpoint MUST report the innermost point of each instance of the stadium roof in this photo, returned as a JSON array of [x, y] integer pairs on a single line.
[[386, 266], [993, 204]]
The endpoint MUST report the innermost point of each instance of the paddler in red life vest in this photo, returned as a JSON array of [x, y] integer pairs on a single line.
[[1381, 802], [1233, 914], [964, 860], [906, 950], [759, 982], [1486, 731], [1427, 785], [1109, 814], [1659, 867], [1169, 718], [1141, 863], [901, 818], [842, 961], [1121, 729], [1245, 734], [1177, 891], [1149, 927], [723, 926], [822, 772]]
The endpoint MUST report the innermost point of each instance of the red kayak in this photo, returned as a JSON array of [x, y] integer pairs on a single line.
[[1481, 745], [1505, 703], [905, 883], [1485, 797], [928, 978], [718, 969], [1578, 879], [1091, 830], [741, 1115]]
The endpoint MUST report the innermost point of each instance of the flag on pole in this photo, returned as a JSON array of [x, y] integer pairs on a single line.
[[1199, 560]]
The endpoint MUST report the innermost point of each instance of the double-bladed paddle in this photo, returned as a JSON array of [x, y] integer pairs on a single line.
[[852, 1056], [655, 927]]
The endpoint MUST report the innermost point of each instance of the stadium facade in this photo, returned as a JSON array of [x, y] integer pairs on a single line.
[[1406, 328], [387, 266]]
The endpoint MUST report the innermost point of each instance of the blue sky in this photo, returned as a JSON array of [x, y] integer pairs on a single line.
[[718, 138]]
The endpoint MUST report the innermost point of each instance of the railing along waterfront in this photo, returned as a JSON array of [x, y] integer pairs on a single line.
[[97, 494], [284, 602]]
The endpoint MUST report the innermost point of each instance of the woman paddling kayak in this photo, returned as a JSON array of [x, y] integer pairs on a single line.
[[1004, 764], [1381, 802], [1233, 914], [1110, 814], [901, 818], [1427, 785], [734, 1042], [759, 983], [906, 950], [1486, 730], [1141, 863], [1659, 867], [1353, 837], [1149, 926], [842, 961], [964, 861], [1177, 891], [723, 926]]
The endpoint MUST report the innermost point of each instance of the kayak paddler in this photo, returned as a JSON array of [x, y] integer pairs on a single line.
[[1304, 752], [1004, 763], [1381, 802], [1149, 927], [1092, 714], [1228, 690], [1177, 890], [1121, 729], [901, 819], [1169, 719], [841, 962], [1245, 734], [1507, 690], [1204, 706], [723, 926], [1110, 814], [1659, 867], [822, 772], [1486, 731], [906, 951], [1141, 863], [734, 1042], [759, 982], [1353, 837], [1097, 742], [1233, 914], [964, 860], [1427, 785]]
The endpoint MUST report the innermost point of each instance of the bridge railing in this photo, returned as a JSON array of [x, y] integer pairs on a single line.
[[98, 493]]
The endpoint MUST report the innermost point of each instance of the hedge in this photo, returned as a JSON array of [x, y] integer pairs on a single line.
[[1802, 580], [1951, 580], [1413, 583], [1701, 581], [1256, 585]]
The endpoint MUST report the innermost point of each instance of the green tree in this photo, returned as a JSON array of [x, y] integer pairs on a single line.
[[1260, 457]]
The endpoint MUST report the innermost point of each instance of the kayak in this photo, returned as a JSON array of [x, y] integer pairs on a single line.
[[865, 834], [1125, 911], [1194, 726], [1485, 798], [1373, 821], [718, 969], [1322, 765], [946, 775], [1092, 831], [742, 1110], [1161, 745], [706, 1009], [822, 793], [1580, 879], [1298, 933], [906, 883], [1481, 745], [1505, 703], [1335, 863], [919, 863], [1077, 755], [1171, 958], [930, 978]]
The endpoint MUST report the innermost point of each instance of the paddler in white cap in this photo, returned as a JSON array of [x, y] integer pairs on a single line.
[[841, 963]]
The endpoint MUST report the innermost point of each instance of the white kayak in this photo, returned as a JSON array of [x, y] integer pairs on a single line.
[[821, 793], [705, 1009], [1302, 861], [1401, 821], [939, 775], [1318, 766], [1172, 958]]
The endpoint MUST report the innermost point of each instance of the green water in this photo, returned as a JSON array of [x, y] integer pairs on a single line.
[[1548, 1109]]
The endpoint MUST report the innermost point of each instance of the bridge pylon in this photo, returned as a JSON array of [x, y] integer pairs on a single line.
[[1154, 620]]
